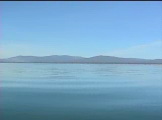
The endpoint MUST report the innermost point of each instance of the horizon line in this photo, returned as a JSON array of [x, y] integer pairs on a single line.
[[78, 56]]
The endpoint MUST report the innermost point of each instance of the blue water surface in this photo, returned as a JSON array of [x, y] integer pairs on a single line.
[[39, 91]]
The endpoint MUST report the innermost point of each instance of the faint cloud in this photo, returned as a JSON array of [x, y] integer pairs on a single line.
[[151, 50]]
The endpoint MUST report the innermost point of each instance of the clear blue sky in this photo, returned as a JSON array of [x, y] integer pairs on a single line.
[[124, 29]]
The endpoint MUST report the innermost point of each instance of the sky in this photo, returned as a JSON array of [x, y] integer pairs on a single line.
[[119, 28]]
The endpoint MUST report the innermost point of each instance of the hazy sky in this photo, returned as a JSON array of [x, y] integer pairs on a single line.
[[124, 29]]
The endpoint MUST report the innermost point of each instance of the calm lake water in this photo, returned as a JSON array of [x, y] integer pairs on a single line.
[[80, 92]]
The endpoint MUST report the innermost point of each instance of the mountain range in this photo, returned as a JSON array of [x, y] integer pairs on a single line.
[[76, 59]]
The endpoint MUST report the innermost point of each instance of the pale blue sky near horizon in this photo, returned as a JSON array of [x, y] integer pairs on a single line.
[[123, 29]]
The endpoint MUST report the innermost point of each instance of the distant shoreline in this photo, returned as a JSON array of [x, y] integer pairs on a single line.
[[82, 63], [66, 59]]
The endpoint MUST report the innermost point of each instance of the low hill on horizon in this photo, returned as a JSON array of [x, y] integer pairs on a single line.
[[77, 59]]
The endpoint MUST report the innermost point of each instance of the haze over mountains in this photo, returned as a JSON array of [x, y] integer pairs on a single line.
[[77, 59]]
